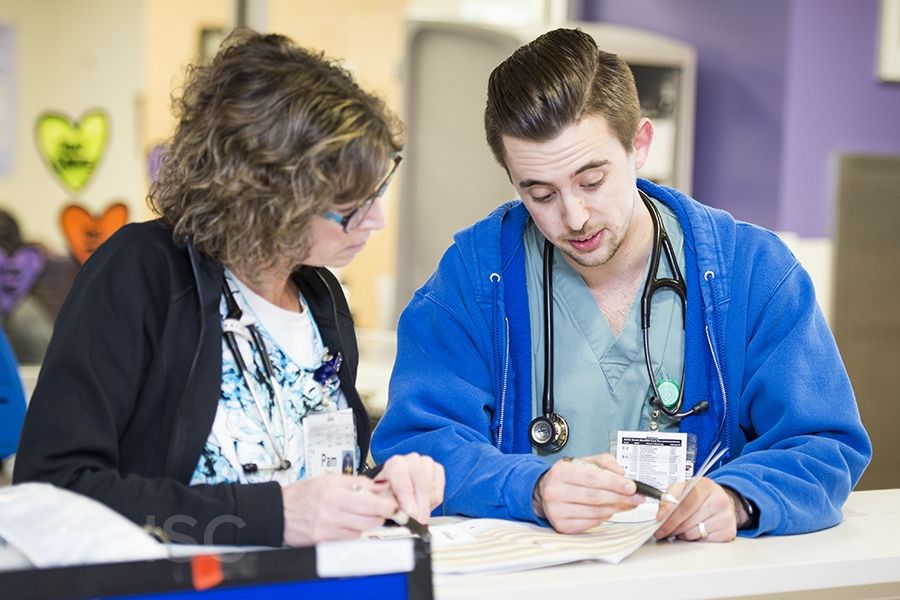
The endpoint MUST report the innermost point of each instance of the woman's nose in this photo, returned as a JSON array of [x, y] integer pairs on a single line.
[[375, 218]]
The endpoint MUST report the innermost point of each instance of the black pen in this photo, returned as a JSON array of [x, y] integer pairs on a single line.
[[644, 489], [404, 520], [400, 518]]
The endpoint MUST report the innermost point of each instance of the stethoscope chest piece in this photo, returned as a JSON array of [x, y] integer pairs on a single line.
[[668, 393], [549, 432]]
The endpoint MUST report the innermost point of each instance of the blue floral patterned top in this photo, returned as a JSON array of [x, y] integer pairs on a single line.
[[239, 434]]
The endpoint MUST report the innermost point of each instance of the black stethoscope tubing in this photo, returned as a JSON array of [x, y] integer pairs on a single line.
[[548, 328], [549, 431], [652, 284]]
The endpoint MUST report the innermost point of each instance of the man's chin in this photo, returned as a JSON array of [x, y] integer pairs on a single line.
[[597, 258]]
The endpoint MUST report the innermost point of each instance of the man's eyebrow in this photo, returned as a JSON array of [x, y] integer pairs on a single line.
[[527, 183], [594, 164]]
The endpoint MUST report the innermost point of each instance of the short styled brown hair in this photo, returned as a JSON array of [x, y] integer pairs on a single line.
[[269, 135], [554, 81]]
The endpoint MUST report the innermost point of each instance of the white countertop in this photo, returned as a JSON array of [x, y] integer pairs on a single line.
[[859, 558]]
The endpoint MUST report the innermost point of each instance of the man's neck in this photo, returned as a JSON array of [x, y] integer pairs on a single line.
[[615, 283]]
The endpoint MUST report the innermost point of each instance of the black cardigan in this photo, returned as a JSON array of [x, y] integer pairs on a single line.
[[130, 385]]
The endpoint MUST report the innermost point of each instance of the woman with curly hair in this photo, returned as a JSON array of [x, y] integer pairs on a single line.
[[201, 375]]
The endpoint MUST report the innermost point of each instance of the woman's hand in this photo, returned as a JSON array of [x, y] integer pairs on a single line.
[[416, 482], [333, 507]]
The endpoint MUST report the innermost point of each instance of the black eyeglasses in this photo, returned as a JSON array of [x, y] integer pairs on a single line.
[[353, 220]]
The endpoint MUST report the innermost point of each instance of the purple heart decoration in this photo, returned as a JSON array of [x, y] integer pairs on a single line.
[[19, 272], [155, 159]]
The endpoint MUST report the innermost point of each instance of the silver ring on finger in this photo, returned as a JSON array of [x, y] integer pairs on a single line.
[[701, 527]]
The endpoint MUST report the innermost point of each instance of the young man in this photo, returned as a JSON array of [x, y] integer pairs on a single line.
[[748, 362]]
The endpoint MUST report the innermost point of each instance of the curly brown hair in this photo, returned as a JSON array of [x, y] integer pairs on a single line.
[[551, 83], [269, 135]]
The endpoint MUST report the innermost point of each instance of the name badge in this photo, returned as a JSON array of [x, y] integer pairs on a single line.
[[658, 458], [329, 443]]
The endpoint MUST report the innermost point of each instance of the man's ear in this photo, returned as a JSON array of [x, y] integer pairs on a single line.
[[642, 141]]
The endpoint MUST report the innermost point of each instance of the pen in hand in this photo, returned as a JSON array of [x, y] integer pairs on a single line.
[[644, 489], [401, 518], [404, 520], [648, 490]]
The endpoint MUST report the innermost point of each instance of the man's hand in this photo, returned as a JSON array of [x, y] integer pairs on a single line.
[[416, 482], [575, 497], [708, 514]]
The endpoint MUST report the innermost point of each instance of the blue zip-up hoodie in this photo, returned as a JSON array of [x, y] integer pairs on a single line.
[[757, 349]]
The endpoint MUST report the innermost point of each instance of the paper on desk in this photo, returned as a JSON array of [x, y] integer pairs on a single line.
[[53, 527], [495, 545], [187, 551], [512, 546]]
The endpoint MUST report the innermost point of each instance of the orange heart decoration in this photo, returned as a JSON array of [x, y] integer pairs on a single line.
[[85, 233]]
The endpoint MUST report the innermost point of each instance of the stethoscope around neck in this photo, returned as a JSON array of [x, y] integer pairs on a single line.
[[232, 326], [550, 431]]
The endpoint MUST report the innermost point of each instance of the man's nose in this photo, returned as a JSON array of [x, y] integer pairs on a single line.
[[575, 212]]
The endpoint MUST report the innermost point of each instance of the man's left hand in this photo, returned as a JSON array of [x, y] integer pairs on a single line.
[[707, 514]]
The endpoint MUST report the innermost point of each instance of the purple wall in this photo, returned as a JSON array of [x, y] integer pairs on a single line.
[[781, 85], [834, 103]]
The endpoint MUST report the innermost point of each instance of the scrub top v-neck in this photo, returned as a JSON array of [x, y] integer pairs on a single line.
[[600, 380]]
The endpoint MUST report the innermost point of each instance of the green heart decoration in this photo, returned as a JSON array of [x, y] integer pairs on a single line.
[[72, 149]]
